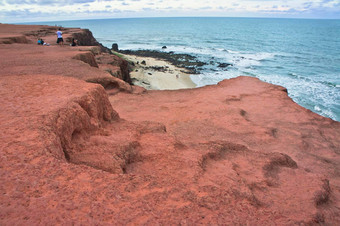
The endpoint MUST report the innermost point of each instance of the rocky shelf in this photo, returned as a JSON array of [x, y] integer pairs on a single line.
[[189, 62]]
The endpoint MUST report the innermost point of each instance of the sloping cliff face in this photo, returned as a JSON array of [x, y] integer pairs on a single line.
[[13, 39], [109, 62], [240, 152], [85, 38], [116, 66]]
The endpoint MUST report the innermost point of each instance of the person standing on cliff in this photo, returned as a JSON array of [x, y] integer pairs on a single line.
[[60, 39]]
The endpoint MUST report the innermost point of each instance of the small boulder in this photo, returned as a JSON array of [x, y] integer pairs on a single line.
[[164, 47], [223, 65], [115, 47]]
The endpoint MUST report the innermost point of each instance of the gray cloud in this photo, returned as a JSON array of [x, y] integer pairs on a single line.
[[327, 1], [48, 2], [21, 13], [307, 5]]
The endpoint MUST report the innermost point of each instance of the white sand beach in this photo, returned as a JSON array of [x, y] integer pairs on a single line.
[[158, 74]]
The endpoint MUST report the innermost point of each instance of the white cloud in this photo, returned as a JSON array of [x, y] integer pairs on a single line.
[[38, 10]]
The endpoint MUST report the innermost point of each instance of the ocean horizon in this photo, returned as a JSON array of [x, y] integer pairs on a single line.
[[299, 54]]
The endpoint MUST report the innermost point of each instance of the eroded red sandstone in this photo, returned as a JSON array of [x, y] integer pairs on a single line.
[[240, 152]]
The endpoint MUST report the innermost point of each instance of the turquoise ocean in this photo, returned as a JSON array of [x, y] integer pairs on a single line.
[[302, 55]]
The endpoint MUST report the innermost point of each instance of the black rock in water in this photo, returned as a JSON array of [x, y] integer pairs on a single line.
[[115, 47], [223, 65], [164, 47]]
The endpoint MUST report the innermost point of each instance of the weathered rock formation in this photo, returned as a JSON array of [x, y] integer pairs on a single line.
[[85, 38], [115, 47], [116, 66], [87, 57], [240, 152]]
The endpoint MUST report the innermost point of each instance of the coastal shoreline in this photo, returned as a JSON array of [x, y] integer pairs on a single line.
[[157, 74]]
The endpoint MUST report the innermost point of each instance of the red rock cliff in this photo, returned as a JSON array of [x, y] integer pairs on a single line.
[[240, 152], [85, 38]]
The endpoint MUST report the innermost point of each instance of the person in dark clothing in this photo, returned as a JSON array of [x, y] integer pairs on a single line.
[[74, 42], [40, 41]]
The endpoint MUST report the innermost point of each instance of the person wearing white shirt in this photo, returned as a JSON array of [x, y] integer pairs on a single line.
[[60, 39]]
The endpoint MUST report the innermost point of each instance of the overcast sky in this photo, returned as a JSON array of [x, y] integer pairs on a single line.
[[53, 10]]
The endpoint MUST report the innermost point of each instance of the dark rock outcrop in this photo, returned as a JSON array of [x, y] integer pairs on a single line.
[[85, 38], [224, 65], [115, 47], [189, 62], [113, 60]]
